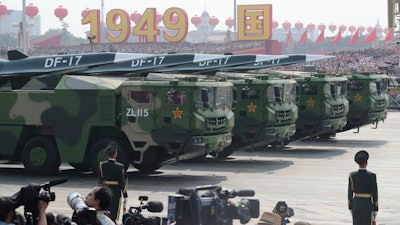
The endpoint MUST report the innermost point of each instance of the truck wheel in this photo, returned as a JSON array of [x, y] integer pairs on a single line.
[[151, 160], [40, 157], [225, 152], [81, 167], [147, 167], [97, 155]]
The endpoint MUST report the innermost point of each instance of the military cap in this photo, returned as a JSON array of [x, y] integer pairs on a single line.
[[111, 148], [361, 157]]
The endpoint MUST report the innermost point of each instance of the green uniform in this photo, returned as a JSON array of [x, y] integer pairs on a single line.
[[111, 173], [362, 196]]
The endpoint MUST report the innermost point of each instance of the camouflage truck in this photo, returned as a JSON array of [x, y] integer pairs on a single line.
[[265, 110], [70, 118], [368, 99], [323, 105]]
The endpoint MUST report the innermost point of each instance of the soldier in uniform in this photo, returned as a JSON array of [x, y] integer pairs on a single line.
[[111, 173], [363, 192]]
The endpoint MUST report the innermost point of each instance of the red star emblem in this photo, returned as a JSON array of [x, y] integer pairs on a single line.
[[310, 102], [358, 97], [177, 113], [252, 107]]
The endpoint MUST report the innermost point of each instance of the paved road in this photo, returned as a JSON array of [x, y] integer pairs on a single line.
[[310, 176]]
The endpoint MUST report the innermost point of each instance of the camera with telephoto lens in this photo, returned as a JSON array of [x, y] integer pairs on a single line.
[[83, 215], [211, 205], [134, 215]]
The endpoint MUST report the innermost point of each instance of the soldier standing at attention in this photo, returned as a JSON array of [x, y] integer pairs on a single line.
[[363, 192], [111, 173]]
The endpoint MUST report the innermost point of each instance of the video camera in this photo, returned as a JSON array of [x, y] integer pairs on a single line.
[[213, 207], [134, 215], [29, 195], [83, 215]]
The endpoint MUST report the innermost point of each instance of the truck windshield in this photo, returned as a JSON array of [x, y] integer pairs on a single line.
[[378, 86], [213, 97], [289, 92], [335, 89], [281, 92]]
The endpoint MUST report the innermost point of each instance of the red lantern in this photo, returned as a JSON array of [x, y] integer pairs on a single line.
[[135, 16], [370, 29], [286, 25], [85, 12], [61, 12], [3, 10], [386, 30], [361, 28], [311, 26], [31, 10], [321, 27], [352, 28], [342, 28], [229, 22], [332, 27], [298, 25], [213, 21], [275, 24], [159, 17], [196, 20]]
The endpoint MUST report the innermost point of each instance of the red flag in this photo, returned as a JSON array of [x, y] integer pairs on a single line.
[[321, 37], [371, 37], [355, 38], [389, 36], [288, 39], [337, 38], [303, 38]]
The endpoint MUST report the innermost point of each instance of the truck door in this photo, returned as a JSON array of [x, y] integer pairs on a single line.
[[137, 110], [175, 108]]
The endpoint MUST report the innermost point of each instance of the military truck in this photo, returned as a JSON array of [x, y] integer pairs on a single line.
[[323, 104], [368, 99], [70, 118], [265, 110]]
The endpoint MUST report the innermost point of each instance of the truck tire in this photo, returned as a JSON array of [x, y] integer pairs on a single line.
[[151, 160], [97, 155], [226, 152], [40, 156], [81, 167]]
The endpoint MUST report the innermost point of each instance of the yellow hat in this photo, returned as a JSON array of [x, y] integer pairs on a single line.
[[269, 218]]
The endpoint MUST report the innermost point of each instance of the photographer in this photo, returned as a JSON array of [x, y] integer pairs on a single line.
[[7, 211], [100, 199]]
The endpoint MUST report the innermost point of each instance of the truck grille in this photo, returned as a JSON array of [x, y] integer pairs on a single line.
[[337, 109], [215, 123], [283, 115], [380, 104]]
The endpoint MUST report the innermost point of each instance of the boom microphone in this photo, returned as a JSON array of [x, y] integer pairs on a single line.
[[53, 183], [245, 193], [154, 206]]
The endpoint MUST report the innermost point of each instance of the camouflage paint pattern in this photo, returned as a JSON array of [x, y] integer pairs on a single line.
[[368, 99], [320, 111], [83, 109]]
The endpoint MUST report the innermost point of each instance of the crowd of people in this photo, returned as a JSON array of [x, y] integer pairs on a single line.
[[373, 59]]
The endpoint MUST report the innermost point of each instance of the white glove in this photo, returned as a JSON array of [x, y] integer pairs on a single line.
[[374, 214], [125, 202], [351, 212]]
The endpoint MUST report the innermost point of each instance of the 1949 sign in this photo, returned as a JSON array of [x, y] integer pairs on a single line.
[[253, 23]]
